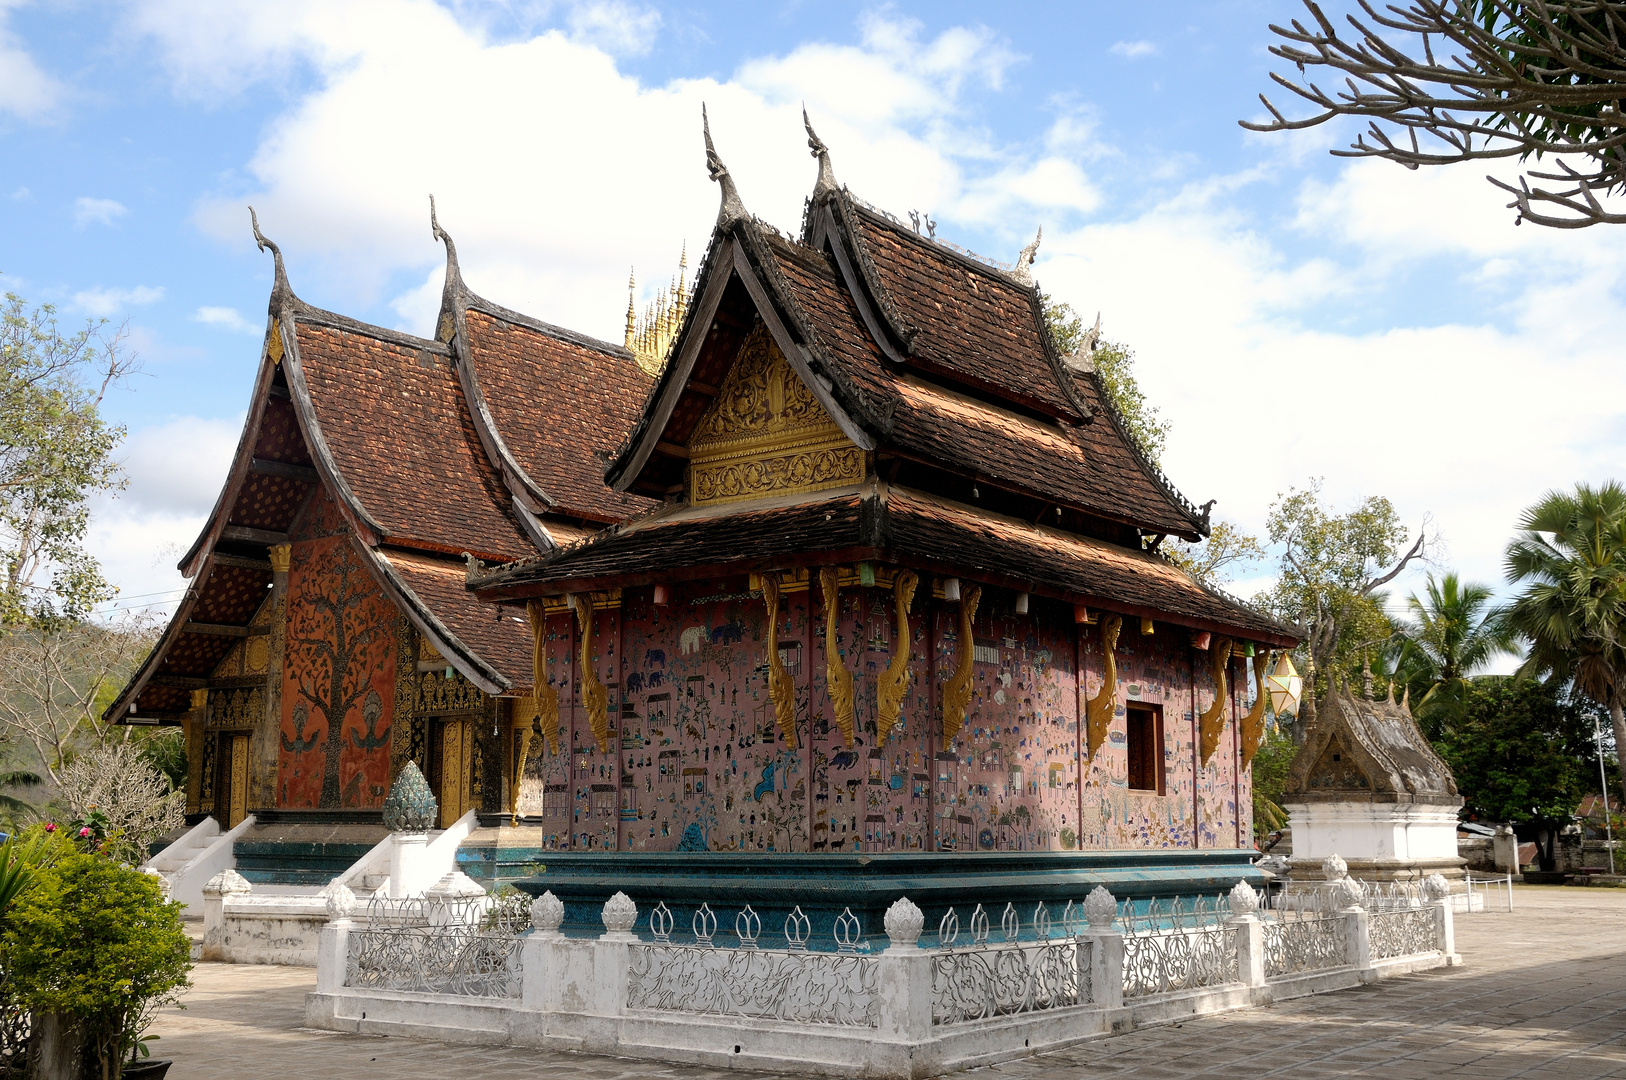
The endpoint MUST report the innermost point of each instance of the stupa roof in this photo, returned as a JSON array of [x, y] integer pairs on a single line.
[[1364, 749]]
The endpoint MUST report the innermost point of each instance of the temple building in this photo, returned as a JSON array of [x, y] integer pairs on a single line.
[[898, 588], [326, 637], [835, 558]]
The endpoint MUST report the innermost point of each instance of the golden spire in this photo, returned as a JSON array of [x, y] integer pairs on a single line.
[[630, 319], [650, 336]]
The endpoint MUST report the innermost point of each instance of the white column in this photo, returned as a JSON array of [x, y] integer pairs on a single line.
[[333, 955], [1106, 966], [1250, 949], [903, 978], [407, 859]]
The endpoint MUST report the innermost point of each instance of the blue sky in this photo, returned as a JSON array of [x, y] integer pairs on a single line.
[[1294, 315]]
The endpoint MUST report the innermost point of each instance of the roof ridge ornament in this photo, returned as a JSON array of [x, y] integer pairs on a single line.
[[279, 286], [453, 288], [1024, 261], [826, 183], [732, 209]]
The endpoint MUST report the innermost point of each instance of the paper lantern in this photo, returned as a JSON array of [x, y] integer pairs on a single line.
[[1284, 687], [951, 589], [662, 598], [1021, 603], [1202, 640], [1081, 614], [1146, 627]]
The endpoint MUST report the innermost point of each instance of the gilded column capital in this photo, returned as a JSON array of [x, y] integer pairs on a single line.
[[280, 557], [200, 700]]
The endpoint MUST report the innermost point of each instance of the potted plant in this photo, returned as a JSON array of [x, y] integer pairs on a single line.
[[93, 944]]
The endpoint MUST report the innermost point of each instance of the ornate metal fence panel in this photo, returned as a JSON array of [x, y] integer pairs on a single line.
[[758, 984], [1402, 933], [468, 946], [983, 981], [1294, 945], [1163, 961]]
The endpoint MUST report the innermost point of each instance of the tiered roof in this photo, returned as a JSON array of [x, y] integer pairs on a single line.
[[410, 437], [991, 455]]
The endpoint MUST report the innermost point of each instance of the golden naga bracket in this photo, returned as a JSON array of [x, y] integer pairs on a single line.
[[544, 692], [838, 681], [957, 691], [1211, 724], [781, 690], [895, 680], [522, 722], [1253, 724], [1100, 709], [594, 695]]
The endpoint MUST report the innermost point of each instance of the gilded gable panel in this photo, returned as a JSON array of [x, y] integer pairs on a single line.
[[766, 434]]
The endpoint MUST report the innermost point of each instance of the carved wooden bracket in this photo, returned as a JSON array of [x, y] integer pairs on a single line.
[[894, 682], [957, 691], [594, 695], [781, 690], [1253, 724], [1100, 709], [1211, 724], [546, 695], [838, 681]]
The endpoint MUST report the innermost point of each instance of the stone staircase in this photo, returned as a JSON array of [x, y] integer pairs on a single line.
[[305, 855]]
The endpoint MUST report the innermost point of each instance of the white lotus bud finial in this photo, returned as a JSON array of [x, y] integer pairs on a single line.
[[903, 924], [341, 901], [1244, 901], [1100, 907], [547, 913], [619, 914]]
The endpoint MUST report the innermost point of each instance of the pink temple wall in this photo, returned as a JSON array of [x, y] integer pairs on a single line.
[[696, 760]]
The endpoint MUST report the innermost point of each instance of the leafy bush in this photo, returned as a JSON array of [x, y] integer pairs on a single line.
[[96, 941], [1270, 768]]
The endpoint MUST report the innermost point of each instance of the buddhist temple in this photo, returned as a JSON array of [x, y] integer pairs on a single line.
[[897, 592], [834, 571]]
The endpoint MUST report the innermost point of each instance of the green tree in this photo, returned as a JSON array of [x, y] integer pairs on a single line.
[[1521, 750], [97, 941], [1114, 365], [1331, 570], [1453, 631], [1270, 768], [56, 451], [1570, 557], [1217, 559]]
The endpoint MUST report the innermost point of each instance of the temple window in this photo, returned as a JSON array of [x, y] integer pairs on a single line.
[[1145, 730]]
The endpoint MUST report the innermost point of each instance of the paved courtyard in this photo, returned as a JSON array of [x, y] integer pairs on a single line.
[[1543, 992]]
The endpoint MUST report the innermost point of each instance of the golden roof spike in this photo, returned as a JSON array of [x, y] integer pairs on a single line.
[[630, 316]]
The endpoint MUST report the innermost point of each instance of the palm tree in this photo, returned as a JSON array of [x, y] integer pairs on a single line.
[[1453, 632], [1570, 555]]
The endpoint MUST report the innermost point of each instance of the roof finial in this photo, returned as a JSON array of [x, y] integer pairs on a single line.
[[631, 315], [826, 183], [280, 279], [732, 209], [1024, 261], [444, 237]]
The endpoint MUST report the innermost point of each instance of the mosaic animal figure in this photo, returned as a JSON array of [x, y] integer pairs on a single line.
[[693, 638], [844, 759], [728, 633], [653, 657], [766, 787], [656, 678], [635, 681]]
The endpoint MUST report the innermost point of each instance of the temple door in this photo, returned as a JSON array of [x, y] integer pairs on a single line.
[[233, 784], [453, 769]]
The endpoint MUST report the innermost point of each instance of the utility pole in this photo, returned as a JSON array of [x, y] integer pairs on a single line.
[[1603, 781]]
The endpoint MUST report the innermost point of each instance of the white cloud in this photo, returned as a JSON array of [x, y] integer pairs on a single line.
[[175, 470], [1133, 50], [618, 28], [103, 302], [88, 211], [227, 319], [22, 194], [26, 91]]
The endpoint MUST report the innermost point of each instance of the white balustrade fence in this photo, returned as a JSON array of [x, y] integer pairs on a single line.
[[499, 969]]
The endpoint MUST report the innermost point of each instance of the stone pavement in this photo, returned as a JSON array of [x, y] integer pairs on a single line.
[[1542, 992]]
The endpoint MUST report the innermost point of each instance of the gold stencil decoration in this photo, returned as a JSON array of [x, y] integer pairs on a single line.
[[838, 681], [894, 681], [596, 697], [545, 693], [1100, 709], [781, 690], [257, 655], [1253, 724], [957, 691], [1211, 723], [521, 716], [766, 434], [273, 348]]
